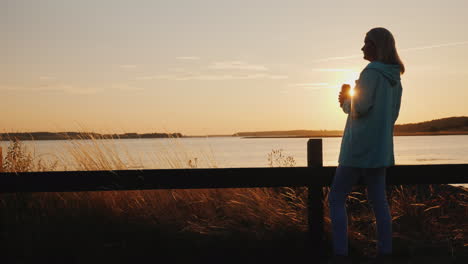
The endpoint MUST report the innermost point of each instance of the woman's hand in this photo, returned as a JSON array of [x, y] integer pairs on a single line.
[[341, 98], [344, 93]]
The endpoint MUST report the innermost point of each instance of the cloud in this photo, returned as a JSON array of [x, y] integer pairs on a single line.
[[176, 69], [51, 88], [313, 86], [277, 77], [338, 58], [180, 74], [156, 77], [126, 88], [212, 77], [236, 65], [64, 88], [333, 70], [70, 89], [310, 84], [188, 58], [206, 77]]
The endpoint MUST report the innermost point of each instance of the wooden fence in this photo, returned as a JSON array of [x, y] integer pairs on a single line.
[[314, 177]]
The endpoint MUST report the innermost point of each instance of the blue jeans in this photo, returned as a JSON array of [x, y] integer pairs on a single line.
[[344, 179]]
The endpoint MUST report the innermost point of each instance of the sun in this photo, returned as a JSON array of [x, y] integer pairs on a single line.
[[351, 80]]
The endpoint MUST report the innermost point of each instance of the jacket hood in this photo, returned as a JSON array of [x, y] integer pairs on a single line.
[[390, 71]]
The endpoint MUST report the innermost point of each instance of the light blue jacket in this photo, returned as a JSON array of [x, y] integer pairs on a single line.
[[368, 137]]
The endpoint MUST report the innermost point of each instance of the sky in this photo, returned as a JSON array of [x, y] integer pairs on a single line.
[[211, 67]]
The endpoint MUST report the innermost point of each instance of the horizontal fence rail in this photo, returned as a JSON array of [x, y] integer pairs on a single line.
[[70, 181]]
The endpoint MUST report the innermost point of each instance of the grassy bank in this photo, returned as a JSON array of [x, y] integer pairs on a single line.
[[257, 224]]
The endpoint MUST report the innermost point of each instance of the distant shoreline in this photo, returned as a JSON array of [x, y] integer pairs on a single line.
[[443, 126], [24, 136], [443, 133]]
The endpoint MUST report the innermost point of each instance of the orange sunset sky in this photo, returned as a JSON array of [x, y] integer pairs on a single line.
[[217, 67]]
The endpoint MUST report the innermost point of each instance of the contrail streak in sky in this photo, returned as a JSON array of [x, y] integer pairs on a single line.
[[339, 58], [401, 50], [436, 46]]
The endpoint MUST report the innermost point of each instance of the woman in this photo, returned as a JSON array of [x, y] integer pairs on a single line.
[[367, 144]]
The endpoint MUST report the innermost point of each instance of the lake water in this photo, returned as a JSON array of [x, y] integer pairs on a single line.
[[224, 152]]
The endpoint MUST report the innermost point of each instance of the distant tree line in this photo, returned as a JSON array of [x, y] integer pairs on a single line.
[[455, 124], [450, 124], [81, 135]]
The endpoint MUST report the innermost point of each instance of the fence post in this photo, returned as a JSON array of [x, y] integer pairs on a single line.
[[1, 160], [315, 200]]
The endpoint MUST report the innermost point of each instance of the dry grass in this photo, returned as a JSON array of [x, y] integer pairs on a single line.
[[427, 220], [424, 216]]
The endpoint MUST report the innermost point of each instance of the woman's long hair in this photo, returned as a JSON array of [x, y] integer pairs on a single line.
[[385, 47]]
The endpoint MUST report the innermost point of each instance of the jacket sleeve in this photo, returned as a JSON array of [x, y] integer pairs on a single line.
[[346, 106], [396, 110], [364, 95]]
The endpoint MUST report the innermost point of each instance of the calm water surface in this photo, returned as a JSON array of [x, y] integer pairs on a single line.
[[239, 152]]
